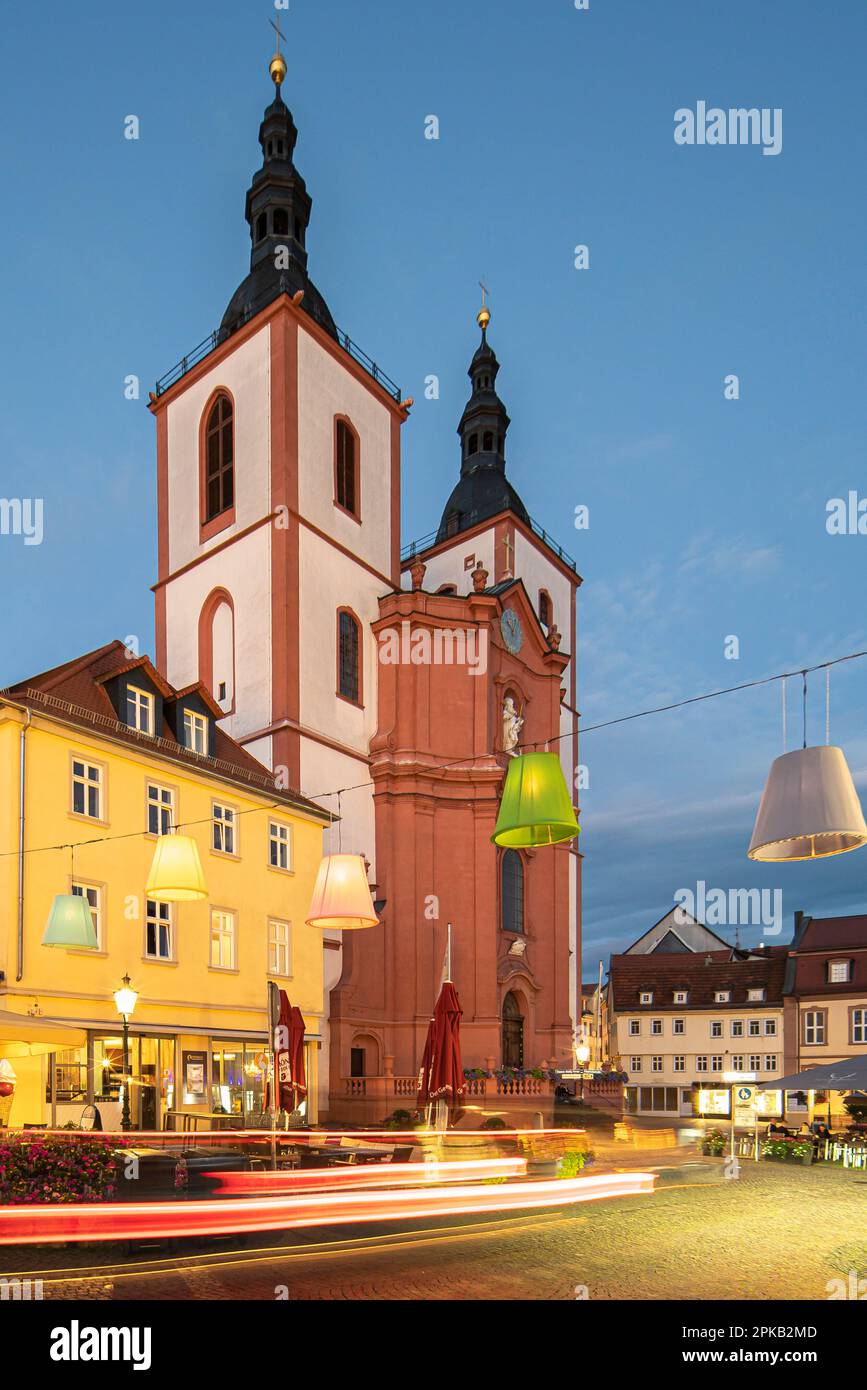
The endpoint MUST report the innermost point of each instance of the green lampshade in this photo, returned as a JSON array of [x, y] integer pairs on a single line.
[[536, 808], [70, 924]]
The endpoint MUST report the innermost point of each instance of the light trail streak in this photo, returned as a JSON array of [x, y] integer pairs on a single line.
[[370, 1175], [28, 1225]]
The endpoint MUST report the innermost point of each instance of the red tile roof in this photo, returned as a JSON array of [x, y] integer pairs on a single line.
[[701, 974], [75, 693], [834, 934]]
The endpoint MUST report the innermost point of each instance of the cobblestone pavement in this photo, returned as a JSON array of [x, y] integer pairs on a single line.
[[776, 1232]]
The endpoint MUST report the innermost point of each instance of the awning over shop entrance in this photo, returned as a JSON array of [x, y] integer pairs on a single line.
[[848, 1075], [22, 1035]]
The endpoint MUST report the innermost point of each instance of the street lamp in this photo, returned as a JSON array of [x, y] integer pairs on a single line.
[[125, 1000], [582, 1057]]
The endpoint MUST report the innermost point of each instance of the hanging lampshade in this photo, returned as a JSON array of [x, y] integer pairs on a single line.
[[70, 924], [536, 808], [809, 808], [341, 894], [176, 871]]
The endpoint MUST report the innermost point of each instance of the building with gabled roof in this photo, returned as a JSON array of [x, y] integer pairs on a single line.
[[99, 757]]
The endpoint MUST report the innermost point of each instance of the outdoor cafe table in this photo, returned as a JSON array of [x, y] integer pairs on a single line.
[[190, 1119]]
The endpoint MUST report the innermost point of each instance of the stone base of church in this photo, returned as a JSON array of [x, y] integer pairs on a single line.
[[370, 1100]]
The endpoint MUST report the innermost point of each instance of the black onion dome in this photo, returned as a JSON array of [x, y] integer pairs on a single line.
[[278, 210], [483, 489]]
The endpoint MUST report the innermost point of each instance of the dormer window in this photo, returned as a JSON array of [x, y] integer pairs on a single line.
[[722, 996], [195, 732], [140, 710], [755, 996], [839, 972], [681, 996], [645, 996]]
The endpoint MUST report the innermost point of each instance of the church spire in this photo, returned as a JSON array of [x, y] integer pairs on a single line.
[[484, 422], [483, 490], [277, 209]]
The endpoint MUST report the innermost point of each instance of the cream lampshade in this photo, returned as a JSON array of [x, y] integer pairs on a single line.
[[809, 808], [341, 894]]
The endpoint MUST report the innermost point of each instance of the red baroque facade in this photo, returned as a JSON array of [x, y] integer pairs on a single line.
[[438, 767]]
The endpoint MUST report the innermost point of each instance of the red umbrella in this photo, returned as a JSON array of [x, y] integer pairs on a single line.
[[288, 1057], [442, 1072], [296, 1053]]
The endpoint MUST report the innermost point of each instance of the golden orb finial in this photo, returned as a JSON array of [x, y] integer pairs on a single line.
[[277, 68], [483, 317]]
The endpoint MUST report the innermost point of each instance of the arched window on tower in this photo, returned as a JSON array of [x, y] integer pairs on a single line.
[[280, 222], [487, 442], [346, 452], [473, 446], [261, 226], [512, 892], [217, 648], [219, 458], [348, 656], [546, 611]]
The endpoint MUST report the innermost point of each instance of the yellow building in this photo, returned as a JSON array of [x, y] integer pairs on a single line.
[[109, 756]]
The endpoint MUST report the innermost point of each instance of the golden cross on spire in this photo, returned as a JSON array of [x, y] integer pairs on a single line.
[[275, 24], [277, 66], [483, 317]]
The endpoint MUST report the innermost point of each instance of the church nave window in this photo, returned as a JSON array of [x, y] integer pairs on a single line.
[[348, 646], [219, 458], [346, 468], [512, 892]]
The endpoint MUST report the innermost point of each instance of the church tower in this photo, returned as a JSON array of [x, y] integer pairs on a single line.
[[280, 584], [278, 466], [489, 591]]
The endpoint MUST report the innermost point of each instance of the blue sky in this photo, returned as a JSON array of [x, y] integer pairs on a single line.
[[707, 516]]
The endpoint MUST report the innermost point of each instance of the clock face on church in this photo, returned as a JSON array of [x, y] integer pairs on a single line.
[[510, 626]]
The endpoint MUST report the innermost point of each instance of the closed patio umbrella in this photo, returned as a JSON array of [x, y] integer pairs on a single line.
[[442, 1072], [288, 1058]]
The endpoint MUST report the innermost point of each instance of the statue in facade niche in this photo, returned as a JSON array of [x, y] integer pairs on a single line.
[[512, 723]]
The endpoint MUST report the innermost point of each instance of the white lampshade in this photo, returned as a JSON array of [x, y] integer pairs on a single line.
[[341, 894], [809, 808]]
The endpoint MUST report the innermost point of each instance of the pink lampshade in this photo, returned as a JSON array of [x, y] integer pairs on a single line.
[[341, 894]]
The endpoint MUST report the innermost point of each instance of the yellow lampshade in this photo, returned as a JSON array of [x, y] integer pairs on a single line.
[[809, 808], [536, 808], [341, 894], [176, 872]]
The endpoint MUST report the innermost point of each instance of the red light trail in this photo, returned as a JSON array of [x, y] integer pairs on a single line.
[[30, 1225]]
